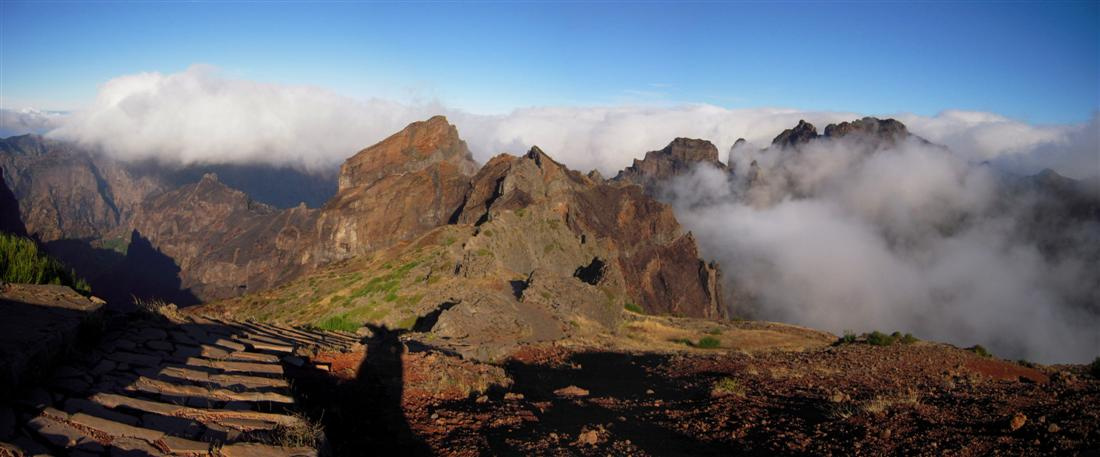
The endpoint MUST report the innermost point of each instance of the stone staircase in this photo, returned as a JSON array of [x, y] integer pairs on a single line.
[[187, 386]]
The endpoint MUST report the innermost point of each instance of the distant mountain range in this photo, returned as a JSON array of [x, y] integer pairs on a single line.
[[523, 239]]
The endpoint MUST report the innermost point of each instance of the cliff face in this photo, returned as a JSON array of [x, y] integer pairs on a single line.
[[65, 192], [223, 243], [397, 189], [620, 237]]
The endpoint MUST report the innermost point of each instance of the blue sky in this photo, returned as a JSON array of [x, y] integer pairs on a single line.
[[1036, 62]]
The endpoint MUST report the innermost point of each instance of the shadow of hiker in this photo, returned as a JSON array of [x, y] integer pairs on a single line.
[[381, 375]]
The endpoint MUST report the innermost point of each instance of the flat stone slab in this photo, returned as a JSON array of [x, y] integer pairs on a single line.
[[155, 386], [62, 435], [260, 450], [115, 429], [199, 414]]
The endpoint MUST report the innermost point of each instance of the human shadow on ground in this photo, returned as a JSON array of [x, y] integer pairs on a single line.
[[365, 414]]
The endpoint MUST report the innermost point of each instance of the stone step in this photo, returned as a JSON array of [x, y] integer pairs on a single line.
[[115, 429], [253, 357], [306, 336], [155, 386], [262, 450], [223, 380], [63, 435], [265, 346], [267, 420], [184, 446], [231, 366]]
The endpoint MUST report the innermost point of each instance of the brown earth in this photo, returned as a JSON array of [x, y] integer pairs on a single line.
[[818, 399]]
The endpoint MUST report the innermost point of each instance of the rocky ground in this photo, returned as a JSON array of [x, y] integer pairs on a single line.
[[811, 398]]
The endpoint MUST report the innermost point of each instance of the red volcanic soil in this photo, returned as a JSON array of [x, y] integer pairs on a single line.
[[919, 399]]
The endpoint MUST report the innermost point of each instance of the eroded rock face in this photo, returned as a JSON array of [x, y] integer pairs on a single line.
[[673, 160], [416, 147], [66, 192], [397, 189], [222, 241], [802, 133], [638, 238]]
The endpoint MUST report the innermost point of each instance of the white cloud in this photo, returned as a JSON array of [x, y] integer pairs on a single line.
[[28, 120], [200, 115], [914, 238]]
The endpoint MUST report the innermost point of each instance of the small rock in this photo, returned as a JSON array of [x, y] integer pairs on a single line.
[[482, 399], [649, 392], [589, 438], [571, 391], [511, 396], [1053, 428], [1018, 420], [435, 416]]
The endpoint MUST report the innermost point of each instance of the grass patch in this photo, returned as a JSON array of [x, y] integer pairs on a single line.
[[705, 342], [407, 323], [22, 262], [304, 433], [634, 308], [708, 342], [119, 245], [339, 322], [727, 386]]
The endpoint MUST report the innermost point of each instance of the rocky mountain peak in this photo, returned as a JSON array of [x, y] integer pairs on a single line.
[[869, 127], [675, 159], [418, 146], [802, 133]]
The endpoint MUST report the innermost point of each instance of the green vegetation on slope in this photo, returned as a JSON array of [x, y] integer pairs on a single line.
[[22, 262]]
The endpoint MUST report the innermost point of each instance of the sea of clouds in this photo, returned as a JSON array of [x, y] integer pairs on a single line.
[[914, 239], [201, 116]]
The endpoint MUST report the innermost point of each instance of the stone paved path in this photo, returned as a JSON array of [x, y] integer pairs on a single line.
[[152, 386]]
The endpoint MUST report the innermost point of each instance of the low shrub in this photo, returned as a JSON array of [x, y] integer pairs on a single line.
[[727, 386], [634, 308], [708, 342], [980, 350], [1094, 368], [22, 262]]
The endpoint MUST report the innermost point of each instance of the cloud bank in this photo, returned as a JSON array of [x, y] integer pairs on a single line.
[[914, 238], [201, 116]]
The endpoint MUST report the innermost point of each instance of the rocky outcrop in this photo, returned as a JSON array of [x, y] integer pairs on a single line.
[[224, 243], [802, 133], [637, 239], [673, 160], [869, 133], [397, 189]]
